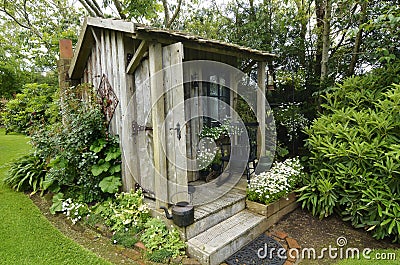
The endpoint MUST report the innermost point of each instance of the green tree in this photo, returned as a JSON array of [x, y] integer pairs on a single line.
[[31, 31]]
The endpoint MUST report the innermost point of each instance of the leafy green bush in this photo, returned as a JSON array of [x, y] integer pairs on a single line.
[[159, 255], [355, 150], [75, 146], [3, 104], [126, 211], [108, 164], [125, 238], [156, 237], [32, 108], [27, 173]]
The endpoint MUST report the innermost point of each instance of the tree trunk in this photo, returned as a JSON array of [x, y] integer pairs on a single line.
[[167, 20], [326, 42], [358, 40], [119, 8], [301, 14], [91, 7], [319, 13]]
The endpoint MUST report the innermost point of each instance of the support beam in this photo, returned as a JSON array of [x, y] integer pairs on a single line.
[[158, 117], [137, 57], [261, 108]]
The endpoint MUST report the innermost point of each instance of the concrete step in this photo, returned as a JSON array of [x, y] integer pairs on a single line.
[[224, 239], [208, 215]]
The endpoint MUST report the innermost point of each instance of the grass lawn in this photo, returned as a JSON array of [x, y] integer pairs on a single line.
[[26, 237]]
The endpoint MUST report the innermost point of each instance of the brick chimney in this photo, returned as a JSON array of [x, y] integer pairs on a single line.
[[66, 51], [66, 54]]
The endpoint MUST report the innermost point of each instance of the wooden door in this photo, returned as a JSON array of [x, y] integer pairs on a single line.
[[175, 125], [142, 129]]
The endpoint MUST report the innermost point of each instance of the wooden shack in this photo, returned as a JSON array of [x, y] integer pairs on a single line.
[[123, 62]]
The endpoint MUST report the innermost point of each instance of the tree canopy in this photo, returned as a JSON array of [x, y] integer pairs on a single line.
[[321, 41]]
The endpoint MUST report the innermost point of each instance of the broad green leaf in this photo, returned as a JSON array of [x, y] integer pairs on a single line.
[[110, 184], [100, 168], [57, 203]]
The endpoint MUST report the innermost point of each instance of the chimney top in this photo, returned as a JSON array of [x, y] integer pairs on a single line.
[[66, 51]]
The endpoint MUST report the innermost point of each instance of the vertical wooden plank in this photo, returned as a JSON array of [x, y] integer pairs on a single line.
[[188, 96], [85, 75], [233, 85], [99, 72], [103, 69], [202, 92], [169, 122], [109, 74], [89, 69], [129, 164], [93, 66], [173, 55], [116, 77], [261, 108], [194, 109], [144, 138], [156, 87]]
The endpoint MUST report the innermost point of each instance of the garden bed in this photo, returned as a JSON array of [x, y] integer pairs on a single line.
[[276, 210]]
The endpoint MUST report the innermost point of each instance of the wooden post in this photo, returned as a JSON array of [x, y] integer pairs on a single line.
[[157, 111], [233, 85], [261, 108]]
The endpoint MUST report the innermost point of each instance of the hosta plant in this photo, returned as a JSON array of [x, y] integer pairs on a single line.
[[27, 173]]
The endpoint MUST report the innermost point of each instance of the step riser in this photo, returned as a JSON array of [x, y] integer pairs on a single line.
[[215, 218], [213, 255], [237, 244]]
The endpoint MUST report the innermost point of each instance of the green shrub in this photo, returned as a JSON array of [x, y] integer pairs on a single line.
[[126, 211], [156, 237], [125, 238], [3, 104], [159, 256], [27, 173], [75, 146], [31, 109], [354, 155]]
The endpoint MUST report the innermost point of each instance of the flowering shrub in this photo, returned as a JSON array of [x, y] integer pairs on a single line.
[[75, 211], [275, 183]]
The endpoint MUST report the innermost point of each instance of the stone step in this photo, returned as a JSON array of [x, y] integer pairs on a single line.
[[224, 239], [208, 215]]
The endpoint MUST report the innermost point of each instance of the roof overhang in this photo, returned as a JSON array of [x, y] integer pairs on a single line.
[[141, 32]]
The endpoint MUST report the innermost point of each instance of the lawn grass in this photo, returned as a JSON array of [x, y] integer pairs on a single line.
[[26, 236]]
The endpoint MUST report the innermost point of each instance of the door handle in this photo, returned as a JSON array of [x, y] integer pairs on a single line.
[[178, 131]]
